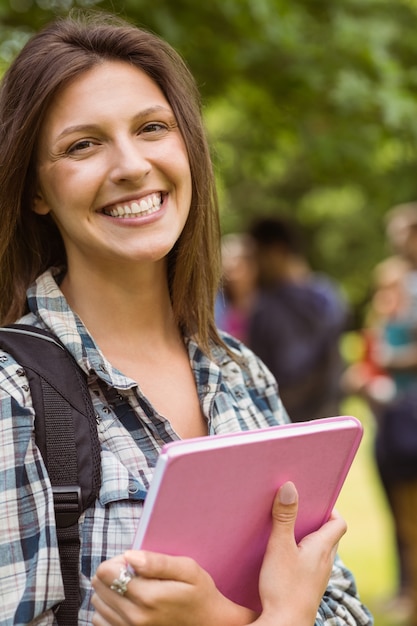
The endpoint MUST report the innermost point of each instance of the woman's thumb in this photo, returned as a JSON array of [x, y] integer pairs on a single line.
[[281, 543], [285, 506]]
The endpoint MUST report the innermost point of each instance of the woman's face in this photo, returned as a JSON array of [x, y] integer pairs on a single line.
[[112, 168]]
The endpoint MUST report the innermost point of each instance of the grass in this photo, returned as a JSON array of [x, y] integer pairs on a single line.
[[368, 548]]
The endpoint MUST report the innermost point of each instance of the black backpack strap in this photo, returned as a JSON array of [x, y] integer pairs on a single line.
[[66, 434]]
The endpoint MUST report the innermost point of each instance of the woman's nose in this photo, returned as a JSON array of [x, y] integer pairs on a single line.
[[129, 161]]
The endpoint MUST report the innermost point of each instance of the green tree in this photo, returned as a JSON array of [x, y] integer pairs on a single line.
[[310, 107]]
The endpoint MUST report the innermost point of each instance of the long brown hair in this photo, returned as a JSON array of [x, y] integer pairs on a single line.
[[30, 243]]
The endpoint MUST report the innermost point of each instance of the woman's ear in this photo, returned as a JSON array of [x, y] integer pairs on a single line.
[[39, 205]]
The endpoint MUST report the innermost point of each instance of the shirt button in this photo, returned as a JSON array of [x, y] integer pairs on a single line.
[[20, 372]]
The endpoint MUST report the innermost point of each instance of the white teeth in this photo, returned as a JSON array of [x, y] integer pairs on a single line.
[[145, 206]]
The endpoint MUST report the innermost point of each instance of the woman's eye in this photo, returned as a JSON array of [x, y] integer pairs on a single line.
[[79, 146], [154, 128]]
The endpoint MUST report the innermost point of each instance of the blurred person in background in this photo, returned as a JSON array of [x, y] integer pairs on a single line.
[[397, 222], [399, 358], [387, 332], [297, 319], [235, 300], [387, 378]]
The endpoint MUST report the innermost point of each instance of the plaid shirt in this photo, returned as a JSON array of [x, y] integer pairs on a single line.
[[131, 433]]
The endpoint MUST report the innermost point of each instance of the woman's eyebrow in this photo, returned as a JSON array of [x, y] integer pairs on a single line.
[[77, 128]]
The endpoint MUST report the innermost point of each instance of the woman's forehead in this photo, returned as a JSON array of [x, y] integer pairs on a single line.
[[109, 90]]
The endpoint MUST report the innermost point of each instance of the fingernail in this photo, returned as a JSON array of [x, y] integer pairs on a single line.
[[287, 493], [130, 570]]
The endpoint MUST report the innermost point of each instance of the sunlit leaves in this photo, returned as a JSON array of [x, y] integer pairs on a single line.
[[311, 108]]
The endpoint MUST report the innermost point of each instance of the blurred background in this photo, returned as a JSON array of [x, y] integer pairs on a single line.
[[311, 110]]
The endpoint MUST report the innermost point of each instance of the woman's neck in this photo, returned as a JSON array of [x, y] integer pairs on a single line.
[[125, 304]]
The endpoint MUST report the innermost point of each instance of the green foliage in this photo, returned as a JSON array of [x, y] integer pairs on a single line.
[[310, 106]]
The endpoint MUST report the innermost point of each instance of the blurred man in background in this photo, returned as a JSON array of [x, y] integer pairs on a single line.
[[296, 322]]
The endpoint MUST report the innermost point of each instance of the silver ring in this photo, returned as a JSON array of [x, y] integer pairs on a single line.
[[119, 585]]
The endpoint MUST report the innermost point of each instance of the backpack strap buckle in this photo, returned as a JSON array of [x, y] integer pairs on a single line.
[[68, 504]]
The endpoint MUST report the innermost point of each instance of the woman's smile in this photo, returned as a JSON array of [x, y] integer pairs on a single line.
[[136, 208]]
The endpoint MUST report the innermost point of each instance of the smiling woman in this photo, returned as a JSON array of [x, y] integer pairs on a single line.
[[110, 240]]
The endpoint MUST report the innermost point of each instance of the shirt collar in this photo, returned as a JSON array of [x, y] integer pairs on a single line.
[[50, 310]]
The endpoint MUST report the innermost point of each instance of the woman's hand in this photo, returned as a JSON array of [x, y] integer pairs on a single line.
[[294, 576], [165, 591]]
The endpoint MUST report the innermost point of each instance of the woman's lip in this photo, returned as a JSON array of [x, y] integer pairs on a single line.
[[128, 200], [147, 204], [142, 218]]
